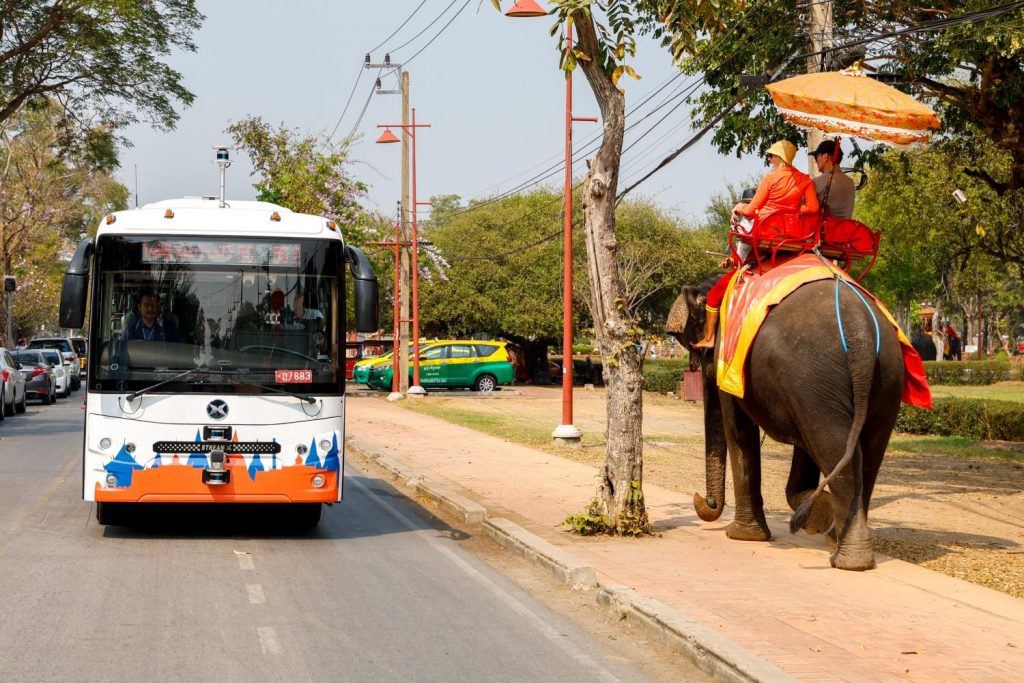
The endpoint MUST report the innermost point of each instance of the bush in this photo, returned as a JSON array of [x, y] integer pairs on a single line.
[[662, 375], [970, 418], [959, 373], [582, 349]]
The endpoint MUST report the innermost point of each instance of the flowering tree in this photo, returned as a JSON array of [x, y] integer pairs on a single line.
[[49, 198], [305, 174]]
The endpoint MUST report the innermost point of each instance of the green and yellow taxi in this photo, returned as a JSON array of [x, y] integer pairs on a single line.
[[473, 364]]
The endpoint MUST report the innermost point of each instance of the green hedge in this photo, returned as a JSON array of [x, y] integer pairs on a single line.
[[970, 418], [959, 373], [662, 375]]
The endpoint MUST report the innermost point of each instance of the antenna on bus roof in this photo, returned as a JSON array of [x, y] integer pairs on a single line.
[[223, 162]]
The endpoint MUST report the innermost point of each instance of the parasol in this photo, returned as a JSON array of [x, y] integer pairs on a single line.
[[848, 102]]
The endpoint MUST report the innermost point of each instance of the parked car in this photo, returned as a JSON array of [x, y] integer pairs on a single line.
[[64, 345], [14, 384], [38, 373], [61, 380], [81, 346], [479, 365], [361, 368]]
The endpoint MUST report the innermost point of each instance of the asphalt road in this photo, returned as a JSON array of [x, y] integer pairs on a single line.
[[377, 592]]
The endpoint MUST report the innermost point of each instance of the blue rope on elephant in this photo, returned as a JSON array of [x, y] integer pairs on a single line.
[[839, 315]]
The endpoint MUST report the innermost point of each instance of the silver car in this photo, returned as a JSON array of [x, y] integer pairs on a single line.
[[61, 379], [13, 385]]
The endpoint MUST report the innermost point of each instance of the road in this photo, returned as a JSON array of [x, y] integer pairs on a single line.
[[379, 591]]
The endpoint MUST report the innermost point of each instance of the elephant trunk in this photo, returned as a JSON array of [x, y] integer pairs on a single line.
[[709, 509]]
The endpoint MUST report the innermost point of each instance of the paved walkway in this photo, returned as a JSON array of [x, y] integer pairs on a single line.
[[780, 600]]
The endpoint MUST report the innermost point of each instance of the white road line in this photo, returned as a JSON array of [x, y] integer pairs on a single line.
[[269, 643], [518, 607], [245, 563], [256, 596]]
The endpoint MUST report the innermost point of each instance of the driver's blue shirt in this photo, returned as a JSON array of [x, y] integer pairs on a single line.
[[159, 332]]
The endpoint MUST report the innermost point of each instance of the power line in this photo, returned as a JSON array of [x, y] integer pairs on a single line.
[[438, 34], [400, 27], [426, 28]]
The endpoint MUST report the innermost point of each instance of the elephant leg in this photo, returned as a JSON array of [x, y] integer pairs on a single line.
[[804, 476], [873, 444], [853, 545], [743, 437]]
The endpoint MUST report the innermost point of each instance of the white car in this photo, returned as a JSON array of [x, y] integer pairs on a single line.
[[61, 378], [13, 391]]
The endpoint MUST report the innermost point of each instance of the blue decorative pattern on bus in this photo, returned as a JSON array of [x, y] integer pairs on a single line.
[[331, 457], [197, 460], [255, 466], [313, 460], [122, 467]]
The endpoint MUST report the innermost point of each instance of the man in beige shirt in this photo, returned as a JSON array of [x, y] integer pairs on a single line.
[[841, 193]]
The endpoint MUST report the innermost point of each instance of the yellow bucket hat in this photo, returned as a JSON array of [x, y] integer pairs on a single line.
[[784, 149]]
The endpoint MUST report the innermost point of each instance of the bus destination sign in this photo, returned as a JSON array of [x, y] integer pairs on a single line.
[[222, 253]]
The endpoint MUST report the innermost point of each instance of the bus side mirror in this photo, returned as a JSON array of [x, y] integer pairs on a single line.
[[75, 291], [366, 297]]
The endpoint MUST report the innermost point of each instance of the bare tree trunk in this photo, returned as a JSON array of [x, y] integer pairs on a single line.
[[617, 333]]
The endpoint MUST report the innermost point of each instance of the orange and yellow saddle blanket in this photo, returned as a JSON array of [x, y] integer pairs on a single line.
[[749, 298]]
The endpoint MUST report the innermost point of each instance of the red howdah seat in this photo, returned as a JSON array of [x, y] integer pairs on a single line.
[[847, 240], [790, 233]]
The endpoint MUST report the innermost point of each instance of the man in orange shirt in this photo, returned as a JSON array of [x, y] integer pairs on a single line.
[[784, 189]]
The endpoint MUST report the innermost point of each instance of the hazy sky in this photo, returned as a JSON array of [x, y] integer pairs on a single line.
[[488, 85]]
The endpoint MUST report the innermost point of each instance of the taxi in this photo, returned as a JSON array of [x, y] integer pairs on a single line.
[[474, 364]]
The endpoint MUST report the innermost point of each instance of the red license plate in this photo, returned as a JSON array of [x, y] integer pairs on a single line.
[[293, 376]]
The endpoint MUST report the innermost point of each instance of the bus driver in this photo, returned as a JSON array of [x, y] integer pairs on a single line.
[[148, 327]]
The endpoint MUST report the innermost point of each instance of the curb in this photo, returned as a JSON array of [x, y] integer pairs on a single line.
[[566, 568], [711, 652]]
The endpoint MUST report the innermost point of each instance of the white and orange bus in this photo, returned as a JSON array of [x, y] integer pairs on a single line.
[[216, 355]]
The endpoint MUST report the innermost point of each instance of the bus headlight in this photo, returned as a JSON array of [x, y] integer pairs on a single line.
[[105, 443], [129, 448], [325, 445], [318, 480], [111, 480], [301, 449]]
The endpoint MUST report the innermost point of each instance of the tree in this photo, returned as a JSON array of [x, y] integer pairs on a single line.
[[973, 71], [304, 174], [49, 199], [100, 59]]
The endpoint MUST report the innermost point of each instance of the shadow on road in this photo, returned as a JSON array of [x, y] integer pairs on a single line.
[[356, 516]]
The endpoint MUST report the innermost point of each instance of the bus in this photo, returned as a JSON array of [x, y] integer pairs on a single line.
[[216, 372]]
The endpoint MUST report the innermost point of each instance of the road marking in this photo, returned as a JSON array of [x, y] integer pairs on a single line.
[[255, 592], [549, 632], [269, 643]]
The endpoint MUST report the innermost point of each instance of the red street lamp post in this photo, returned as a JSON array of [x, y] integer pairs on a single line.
[[386, 137], [566, 432], [397, 246]]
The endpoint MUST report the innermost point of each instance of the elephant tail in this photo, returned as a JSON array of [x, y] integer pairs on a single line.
[[858, 357]]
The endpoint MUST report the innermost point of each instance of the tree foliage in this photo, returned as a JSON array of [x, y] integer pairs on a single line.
[[305, 174], [100, 59], [49, 198], [973, 72]]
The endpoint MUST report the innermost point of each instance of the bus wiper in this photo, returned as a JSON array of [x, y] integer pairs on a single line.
[[270, 387], [206, 371]]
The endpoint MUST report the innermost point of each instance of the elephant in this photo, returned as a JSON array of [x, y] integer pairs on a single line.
[[836, 408]]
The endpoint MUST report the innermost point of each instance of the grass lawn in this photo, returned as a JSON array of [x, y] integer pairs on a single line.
[[1001, 391], [956, 446]]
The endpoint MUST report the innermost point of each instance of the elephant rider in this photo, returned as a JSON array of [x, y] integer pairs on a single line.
[[783, 189], [835, 190]]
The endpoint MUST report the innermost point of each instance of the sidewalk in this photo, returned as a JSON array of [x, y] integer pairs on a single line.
[[780, 601]]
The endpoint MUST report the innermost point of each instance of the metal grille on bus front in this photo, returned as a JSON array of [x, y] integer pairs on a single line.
[[207, 446]]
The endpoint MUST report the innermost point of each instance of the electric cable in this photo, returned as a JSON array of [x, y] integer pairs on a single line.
[[438, 34]]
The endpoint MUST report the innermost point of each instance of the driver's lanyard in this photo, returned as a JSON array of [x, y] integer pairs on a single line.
[[152, 332]]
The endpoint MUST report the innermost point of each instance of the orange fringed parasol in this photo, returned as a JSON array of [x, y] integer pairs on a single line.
[[847, 102]]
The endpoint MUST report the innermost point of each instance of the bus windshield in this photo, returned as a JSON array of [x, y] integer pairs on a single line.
[[261, 312]]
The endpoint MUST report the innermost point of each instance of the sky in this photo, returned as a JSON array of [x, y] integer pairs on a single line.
[[488, 85]]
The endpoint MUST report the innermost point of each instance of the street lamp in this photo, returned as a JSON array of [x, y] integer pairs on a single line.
[[386, 137], [566, 432]]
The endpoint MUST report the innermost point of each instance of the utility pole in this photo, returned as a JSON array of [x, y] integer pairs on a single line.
[[819, 28], [405, 277]]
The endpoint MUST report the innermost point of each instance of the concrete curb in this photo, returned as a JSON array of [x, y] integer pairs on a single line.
[[466, 510], [570, 571], [711, 652]]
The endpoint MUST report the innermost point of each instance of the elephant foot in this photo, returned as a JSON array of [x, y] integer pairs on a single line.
[[821, 517], [748, 532], [857, 561]]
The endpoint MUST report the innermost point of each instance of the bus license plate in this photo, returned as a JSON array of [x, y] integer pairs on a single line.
[[293, 376]]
